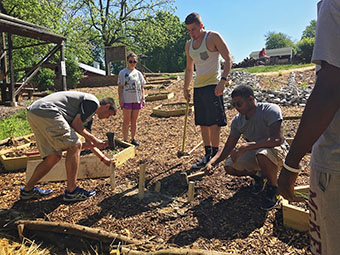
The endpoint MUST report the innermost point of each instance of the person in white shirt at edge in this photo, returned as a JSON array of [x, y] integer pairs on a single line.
[[320, 128]]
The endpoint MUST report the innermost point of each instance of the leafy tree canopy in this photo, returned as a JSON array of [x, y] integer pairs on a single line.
[[309, 30], [277, 40]]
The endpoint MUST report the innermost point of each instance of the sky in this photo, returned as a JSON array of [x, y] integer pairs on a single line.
[[244, 23]]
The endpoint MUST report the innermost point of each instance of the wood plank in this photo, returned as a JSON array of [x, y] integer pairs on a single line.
[[293, 216], [90, 166]]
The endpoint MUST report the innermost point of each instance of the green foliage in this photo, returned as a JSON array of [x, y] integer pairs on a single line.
[[162, 38], [73, 73], [277, 40], [44, 79], [274, 68], [16, 125], [304, 49], [309, 30]]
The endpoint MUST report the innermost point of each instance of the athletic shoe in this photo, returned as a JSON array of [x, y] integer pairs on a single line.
[[34, 193], [134, 142], [78, 194], [271, 199], [202, 163], [259, 185]]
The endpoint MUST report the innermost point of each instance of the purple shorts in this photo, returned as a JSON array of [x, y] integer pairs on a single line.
[[133, 106]]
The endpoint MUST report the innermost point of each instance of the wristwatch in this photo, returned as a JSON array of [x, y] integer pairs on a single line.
[[223, 78]]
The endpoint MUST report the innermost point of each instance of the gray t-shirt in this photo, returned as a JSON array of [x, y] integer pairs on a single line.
[[326, 150], [132, 82], [68, 104], [257, 127]]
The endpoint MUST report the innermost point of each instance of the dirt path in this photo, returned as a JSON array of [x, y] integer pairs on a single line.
[[302, 69]]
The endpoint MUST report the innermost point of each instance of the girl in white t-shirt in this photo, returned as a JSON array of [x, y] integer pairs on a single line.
[[131, 96]]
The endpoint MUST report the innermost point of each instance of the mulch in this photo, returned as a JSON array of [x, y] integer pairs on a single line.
[[224, 215]]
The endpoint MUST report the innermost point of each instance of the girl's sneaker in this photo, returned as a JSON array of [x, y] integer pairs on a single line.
[[34, 193], [78, 194]]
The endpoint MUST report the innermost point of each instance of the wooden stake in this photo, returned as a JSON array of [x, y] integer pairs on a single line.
[[191, 191], [141, 185], [158, 186], [113, 175]]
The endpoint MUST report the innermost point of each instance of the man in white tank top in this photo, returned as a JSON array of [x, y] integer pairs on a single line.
[[204, 51]]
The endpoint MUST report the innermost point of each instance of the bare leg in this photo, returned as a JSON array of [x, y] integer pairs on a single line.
[[234, 172], [126, 123], [42, 169], [205, 132], [134, 115], [72, 166], [269, 169], [215, 135]]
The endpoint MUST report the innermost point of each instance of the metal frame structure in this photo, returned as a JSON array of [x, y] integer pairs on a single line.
[[13, 26]]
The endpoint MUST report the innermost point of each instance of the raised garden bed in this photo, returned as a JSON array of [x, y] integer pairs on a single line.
[[16, 158], [159, 96], [90, 165], [171, 109], [296, 215], [11, 142]]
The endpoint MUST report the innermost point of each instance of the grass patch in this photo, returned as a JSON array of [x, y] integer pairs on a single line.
[[16, 125], [274, 68], [171, 76]]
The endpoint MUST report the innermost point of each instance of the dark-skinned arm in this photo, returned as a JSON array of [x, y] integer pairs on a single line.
[[320, 109], [275, 139], [222, 154]]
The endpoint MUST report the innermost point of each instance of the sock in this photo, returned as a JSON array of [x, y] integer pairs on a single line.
[[207, 150], [214, 150]]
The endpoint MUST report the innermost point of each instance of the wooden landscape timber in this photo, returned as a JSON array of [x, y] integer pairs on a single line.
[[159, 96], [178, 111], [90, 165], [293, 216], [125, 245]]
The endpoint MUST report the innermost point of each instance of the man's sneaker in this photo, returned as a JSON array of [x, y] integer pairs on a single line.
[[271, 199], [34, 193], [202, 163], [259, 185], [134, 142], [78, 194]]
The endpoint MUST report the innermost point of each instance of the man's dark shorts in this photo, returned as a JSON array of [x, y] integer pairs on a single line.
[[209, 109]]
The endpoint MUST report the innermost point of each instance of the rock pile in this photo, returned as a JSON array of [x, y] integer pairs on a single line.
[[289, 95]]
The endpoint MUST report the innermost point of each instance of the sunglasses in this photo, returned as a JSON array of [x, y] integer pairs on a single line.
[[237, 104], [132, 61]]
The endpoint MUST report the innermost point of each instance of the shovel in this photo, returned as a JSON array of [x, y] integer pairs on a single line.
[[182, 153]]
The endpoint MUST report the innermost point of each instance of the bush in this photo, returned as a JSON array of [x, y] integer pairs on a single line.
[[45, 79], [304, 49], [73, 73]]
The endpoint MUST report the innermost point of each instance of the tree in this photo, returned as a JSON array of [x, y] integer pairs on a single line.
[[115, 20], [277, 40], [162, 38], [304, 49], [309, 30]]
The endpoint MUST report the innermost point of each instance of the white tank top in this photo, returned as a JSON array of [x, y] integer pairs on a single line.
[[206, 62]]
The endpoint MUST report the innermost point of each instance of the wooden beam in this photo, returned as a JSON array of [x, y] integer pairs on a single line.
[[90, 166], [141, 183], [191, 191]]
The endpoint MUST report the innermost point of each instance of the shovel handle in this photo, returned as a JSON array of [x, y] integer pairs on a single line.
[[185, 123]]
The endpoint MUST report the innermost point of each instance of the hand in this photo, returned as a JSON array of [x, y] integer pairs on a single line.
[[187, 95], [99, 144], [143, 102], [106, 161], [208, 169], [238, 152], [219, 88], [121, 104], [286, 183]]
